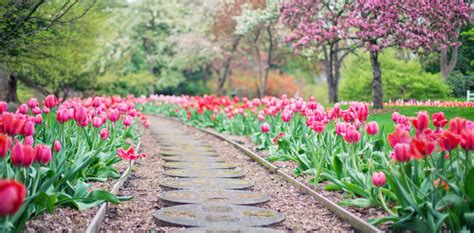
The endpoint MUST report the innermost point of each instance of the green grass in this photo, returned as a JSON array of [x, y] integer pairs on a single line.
[[385, 120]]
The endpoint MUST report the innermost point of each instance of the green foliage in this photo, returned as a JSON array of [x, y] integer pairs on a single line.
[[402, 79], [132, 83], [460, 83]]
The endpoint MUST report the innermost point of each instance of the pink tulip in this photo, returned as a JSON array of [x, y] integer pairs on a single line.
[[33, 103], [114, 115], [62, 115], [379, 179], [341, 128], [265, 127], [39, 119], [46, 110], [96, 102], [28, 129], [127, 121], [36, 110], [286, 116], [57, 146], [261, 117], [22, 155], [421, 122], [23, 109], [12, 194], [104, 134], [42, 154], [29, 140], [97, 122], [372, 128], [402, 152], [352, 135], [5, 143], [80, 114], [50, 101]]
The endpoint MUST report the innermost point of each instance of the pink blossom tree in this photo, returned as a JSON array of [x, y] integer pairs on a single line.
[[413, 25], [323, 26]]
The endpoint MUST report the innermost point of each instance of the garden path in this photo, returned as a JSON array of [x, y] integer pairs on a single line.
[[204, 190]]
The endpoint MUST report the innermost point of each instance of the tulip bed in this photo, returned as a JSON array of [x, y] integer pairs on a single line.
[[51, 153], [421, 174]]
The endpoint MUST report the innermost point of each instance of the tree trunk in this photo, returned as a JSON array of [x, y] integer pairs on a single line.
[[377, 90], [8, 85], [446, 66], [332, 73], [221, 78]]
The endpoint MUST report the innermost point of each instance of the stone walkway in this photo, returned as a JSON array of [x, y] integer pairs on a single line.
[[205, 192]]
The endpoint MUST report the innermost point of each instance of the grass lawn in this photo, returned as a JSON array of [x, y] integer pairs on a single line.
[[385, 119]]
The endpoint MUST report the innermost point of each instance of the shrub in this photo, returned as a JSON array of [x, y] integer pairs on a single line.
[[460, 83], [402, 79]]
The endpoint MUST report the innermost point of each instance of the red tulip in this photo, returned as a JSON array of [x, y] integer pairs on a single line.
[[372, 128], [12, 194], [3, 107], [467, 140], [104, 133], [129, 154], [42, 154], [402, 152], [457, 125], [50, 101], [441, 183], [22, 155], [11, 125], [398, 136], [379, 179], [420, 148], [28, 129], [421, 122], [448, 140], [265, 127], [5, 143], [439, 120], [57, 146]]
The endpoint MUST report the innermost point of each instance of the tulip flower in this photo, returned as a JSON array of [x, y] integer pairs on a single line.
[[439, 120], [129, 154], [449, 140], [33, 103], [104, 134], [28, 129], [12, 194], [22, 155], [398, 136], [23, 109], [285, 116], [80, 114], [457, 125], [341, 128], [265, 127], [62, 115], [42, 154], [97, 122], [50, 101], [46, 110], [29, 140], [379, 179], [5, 143], [372, 128], [36, 110], [352, 135], [39, 119], [3, 107], [421, 122], [11, 124], [57, 146], [96, 102], [127, 121], [441, 183], [467, 140], [402, 152], [114, 115], [318, 126], [420, 148]]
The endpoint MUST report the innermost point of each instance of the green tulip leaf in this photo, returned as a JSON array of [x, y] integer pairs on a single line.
[[469, 185], [358, 202]]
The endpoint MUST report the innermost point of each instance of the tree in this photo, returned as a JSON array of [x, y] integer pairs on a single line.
[[258, 26], [321, 25], [25, 23], [410, 25]]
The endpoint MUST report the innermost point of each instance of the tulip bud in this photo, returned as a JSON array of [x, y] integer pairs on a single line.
[[5, 143], [12, 194], [265, 127], [22, 155], [379, 179], [114, 115], [39, 119], [46, 110], [28, 129], [42, 154], [372, 128], [50, 101], [57, 146], [33, 103], [97, 122], [62, 115], [80, 114], [467, 140], [96, 102], [29, 140], [23, 109], [127, 121], [402, 152], [104, 134]]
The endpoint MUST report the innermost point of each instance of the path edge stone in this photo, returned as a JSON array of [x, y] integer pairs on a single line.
[[96, 223]]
